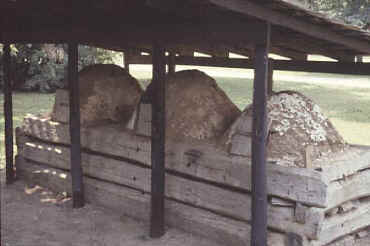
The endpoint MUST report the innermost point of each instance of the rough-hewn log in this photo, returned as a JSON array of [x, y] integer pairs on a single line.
[[305, 186], [8, 115], [74, 112], [158, 141], [136, 204], [259, 138], [221, 200]]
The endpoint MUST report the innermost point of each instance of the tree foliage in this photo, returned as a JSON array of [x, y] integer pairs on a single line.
[[42, 67], [355, 12]]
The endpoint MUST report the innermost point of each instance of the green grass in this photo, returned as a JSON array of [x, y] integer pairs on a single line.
[[347, 105]]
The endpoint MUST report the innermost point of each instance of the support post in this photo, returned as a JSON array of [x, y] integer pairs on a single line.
[[259, 137], [171, 63], [8, 115], [126, 63], [270, 81], [74, 119], [158, 142]]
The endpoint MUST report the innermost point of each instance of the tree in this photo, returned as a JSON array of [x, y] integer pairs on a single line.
[[42, 67], [355, 12]]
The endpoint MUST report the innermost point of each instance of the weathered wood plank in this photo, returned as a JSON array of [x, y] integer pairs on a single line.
[[352, 188], [220, 200], [136, 204], [343, 224], [305, 186], [351, 165]]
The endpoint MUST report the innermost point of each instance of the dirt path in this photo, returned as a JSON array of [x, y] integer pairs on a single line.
[[37, 217]]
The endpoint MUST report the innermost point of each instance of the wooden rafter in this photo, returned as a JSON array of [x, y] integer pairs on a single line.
[[252, 9]]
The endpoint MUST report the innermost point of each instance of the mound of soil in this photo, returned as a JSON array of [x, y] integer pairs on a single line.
[[295, 123], [107, 92], [196, 107]]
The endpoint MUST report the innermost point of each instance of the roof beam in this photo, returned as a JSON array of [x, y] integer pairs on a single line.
[[282, 65], [276, 18]]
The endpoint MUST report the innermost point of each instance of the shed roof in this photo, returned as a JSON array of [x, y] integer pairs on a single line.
[[211, 26]]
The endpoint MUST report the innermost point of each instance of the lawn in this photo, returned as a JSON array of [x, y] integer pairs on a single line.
[[344, 99]]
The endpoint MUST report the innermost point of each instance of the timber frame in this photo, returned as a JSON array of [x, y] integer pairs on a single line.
[[216, 27]]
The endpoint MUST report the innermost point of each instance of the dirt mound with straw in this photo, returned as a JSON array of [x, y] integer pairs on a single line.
[[296, 124], [107, 93], [196, 107]]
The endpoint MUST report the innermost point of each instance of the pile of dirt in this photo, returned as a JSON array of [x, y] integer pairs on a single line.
[[196, 107], [107, 93], [296, 122]]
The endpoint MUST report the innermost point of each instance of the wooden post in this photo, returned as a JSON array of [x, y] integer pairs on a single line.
[[171, 63], [8, 115], [270, 81], [259, 137], [74, 119], [126, 60], [359, 59], [158, 142]]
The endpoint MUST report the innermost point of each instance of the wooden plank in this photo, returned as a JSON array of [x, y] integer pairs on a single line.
[[352, 188], [259, 141], [74, 119], [8, 115], [305, 186], [280, 19], [353, 163], [220, 200], [158, 142], [344, 224], [136, 204]]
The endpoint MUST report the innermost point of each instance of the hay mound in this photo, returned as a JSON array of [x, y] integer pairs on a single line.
[[295, 123], [196, 107], [107, 93]]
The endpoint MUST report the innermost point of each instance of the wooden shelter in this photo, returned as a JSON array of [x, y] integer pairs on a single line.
[[252, 28]]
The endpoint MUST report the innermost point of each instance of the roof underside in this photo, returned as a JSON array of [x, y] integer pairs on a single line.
[[210, 26]]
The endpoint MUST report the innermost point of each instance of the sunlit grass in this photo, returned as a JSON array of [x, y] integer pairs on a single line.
[[346, 104]]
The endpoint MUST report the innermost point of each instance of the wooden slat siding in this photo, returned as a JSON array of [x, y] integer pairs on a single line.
[[259, 141], [196, 220], [305, 186], [74, 118], [8, 115], [221, 200], [276, 18], [282, 65], [345, 224], [158, 142], [136, 204], [348, 167], [354, 187]]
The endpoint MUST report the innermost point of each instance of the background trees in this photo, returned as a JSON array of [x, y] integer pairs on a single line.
[[41, 67]]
